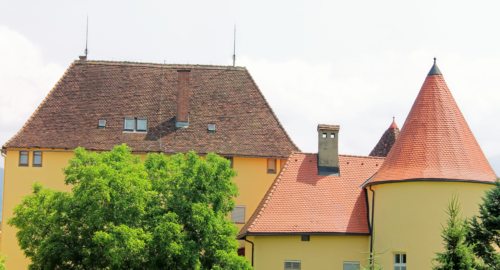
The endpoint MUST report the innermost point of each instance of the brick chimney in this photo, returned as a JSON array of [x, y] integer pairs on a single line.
[[183, 95], [328, 149]]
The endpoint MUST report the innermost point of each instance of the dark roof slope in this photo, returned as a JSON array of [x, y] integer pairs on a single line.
[[386, 142], [301, 201], [221, 95], [435, 143]]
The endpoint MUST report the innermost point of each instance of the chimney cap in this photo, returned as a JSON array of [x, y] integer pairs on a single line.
[[328, 127]]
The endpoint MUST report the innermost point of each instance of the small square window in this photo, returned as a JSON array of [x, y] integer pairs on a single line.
[[332, 135], [23, 158], [238, 214], [323, 135], [142, 124], [211, 128], [305, 237], [351, 266], [292, 265], [129, 124], [101, 123], [37, 158], [271, 165]]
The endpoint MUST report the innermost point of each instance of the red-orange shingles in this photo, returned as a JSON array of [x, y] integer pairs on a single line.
[[301, 201], [93, 90], [435, 143], [386, 142]]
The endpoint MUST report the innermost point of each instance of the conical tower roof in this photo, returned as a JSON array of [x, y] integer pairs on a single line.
[[435, 143], [387, 140]]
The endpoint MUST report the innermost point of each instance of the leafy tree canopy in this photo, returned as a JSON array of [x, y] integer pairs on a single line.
[[168, 212]]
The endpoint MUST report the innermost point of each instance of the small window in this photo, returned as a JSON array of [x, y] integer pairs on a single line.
[[37, 158], [400, 261], [142, 124], [135, 124], [238, 214], [129, 124], [101, 123], [292, 265], [211, 128], [351, 266], [305, 237], [323, 135], [332, 135], [271, 165], [23, 158]]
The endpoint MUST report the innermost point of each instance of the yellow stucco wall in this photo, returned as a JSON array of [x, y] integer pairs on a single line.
[[321, 252], [252, 180], [409, 218]]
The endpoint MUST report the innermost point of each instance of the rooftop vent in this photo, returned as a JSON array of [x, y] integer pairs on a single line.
[[211, 128]]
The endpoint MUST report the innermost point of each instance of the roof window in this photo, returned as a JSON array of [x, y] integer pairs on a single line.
[[101, 123], [211, 128], [135, 124]]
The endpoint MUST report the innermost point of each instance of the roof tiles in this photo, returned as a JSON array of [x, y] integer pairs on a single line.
[[301, 201], [93, 90], [435, 141]]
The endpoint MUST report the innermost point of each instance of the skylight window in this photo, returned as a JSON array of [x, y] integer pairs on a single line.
[[135, 124]]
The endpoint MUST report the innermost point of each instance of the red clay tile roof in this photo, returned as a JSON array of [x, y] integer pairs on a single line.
[[386, 142], [221, 95], [435, 143], [301, 201]]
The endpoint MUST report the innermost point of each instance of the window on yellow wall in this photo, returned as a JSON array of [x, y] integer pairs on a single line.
[[230, 161], [238, 214], [400, 261], [350, 265], [37, 158], [23, 158], [271, 165], [292, 265]]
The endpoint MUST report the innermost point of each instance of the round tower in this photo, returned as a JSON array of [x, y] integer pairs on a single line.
[[434, 158]]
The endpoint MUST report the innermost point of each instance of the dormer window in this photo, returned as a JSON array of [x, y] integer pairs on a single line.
[[135, 124]]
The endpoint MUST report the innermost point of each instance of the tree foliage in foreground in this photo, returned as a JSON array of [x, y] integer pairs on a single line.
[[457, 255], [484, 230], [168, 212]]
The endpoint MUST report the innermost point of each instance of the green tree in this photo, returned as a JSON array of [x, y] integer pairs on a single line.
[[457, 255], [168, 212], [2, 263], [484, 230]]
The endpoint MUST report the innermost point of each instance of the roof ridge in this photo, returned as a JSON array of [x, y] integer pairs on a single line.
[[152, 64], [342, 155], [58, 83], [265, 199]]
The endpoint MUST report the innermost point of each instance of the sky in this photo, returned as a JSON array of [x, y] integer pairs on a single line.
[[353, 63]]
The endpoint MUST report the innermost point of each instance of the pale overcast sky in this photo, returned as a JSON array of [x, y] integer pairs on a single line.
[[353, 63]]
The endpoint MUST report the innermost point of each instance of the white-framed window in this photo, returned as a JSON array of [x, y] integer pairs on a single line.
[[351, 265], [292, 265], [24, 158], [135, 124], [399, 261], [271, 165], [37, 158], [238, 214]]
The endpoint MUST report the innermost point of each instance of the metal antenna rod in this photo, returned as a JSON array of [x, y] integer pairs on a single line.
[[87, 38], [234, 46]]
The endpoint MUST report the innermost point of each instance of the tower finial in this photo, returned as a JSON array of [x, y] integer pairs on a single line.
[[434, 69], [87, 38], [234, 46]]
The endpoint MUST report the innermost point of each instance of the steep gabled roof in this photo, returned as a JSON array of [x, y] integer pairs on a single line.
[[386, 142], [435, 143], [301, 201], [221, 95]]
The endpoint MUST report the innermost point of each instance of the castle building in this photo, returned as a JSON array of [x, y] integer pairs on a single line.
[[151, 108], [331, 211]]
